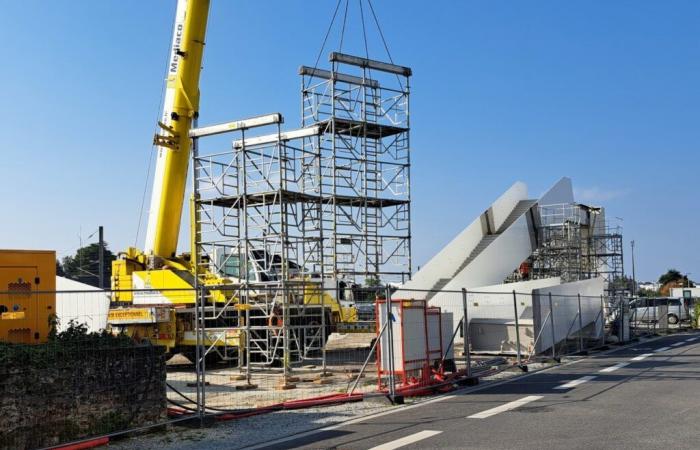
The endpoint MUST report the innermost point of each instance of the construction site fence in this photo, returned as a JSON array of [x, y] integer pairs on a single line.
[[72, 371]]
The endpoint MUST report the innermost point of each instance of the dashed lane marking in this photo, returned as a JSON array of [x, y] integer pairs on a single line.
[[506, 407], [573, 383], [615, 367], [410, 439], [641, 357]]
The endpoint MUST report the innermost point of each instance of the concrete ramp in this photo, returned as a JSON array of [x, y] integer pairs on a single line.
[[493, 260], [463, 251]]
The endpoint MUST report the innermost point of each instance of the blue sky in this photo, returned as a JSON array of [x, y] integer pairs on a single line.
[[607, 93]]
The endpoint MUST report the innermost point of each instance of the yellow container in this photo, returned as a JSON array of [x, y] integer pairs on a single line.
[[27, 295]]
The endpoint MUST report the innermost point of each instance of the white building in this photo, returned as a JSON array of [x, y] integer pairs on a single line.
[[648, 285], [685, 292], [81, 303]]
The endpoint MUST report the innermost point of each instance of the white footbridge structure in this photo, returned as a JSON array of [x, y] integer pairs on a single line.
[[533, 247]]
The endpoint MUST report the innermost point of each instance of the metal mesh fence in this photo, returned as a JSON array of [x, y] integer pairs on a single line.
[[87, 363], [64, 378], [653, 316]]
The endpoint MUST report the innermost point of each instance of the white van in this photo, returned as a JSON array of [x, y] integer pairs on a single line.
[[648, 309]]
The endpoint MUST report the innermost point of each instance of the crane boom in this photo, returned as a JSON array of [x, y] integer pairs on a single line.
[[180, 107]]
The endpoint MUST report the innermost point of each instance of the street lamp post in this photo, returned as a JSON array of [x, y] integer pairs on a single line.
[[634, 276]]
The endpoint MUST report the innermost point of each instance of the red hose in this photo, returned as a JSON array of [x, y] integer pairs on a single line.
[[295, 404], [177, 411], [85, 444], [419, 388], [324, 400]]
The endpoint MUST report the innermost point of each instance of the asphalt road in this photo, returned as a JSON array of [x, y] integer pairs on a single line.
[[640, 397]]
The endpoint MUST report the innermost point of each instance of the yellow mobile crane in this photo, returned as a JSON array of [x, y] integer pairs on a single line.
[[153, 295]]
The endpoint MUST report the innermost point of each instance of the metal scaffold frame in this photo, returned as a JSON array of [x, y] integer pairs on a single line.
[[575, 244], [287, 212], [254, 210], [362, 109]]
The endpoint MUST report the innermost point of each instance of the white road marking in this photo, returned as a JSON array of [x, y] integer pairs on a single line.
[[662, 349], [304, 434], [677, 344], [410, 439], [615, 367], [574, 383], [332, 419], [691, 339], [361, 419], [506, 407], [641, 357]]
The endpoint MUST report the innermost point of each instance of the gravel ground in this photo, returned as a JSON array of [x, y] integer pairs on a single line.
[[253, 430]]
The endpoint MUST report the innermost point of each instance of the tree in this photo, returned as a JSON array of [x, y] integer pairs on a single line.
[[670, 275], [84, 266], [373, 282], [647, 293], [674, 275], [59, 269], [624, 283]]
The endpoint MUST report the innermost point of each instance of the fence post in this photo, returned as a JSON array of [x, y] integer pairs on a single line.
[[622, 321], [390, 338], [656, 321], [465, 331], [580, 325], [551, 321], [285, 336], [202, 354], [247, 341], [602, 318], [517, 327], [323, 333], [197, 354]]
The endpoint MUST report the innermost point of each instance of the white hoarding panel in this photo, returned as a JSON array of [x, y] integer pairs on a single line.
[[565, 304], [82, 304], [448, 347], [434, 326]]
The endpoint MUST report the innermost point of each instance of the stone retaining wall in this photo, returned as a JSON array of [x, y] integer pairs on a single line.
[[55, 393]]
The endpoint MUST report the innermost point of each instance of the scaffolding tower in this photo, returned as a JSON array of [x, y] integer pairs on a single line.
[[575, 244], [361, 107], [325, 205]]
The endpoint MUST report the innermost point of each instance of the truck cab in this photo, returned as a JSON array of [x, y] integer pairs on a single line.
[[262, 267]]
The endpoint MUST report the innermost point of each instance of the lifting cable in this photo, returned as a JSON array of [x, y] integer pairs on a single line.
[[342, 31], [325, 39], [381, 34], [364, 31]]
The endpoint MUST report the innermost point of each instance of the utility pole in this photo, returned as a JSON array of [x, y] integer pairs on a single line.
[[101, 256], [634, 276]]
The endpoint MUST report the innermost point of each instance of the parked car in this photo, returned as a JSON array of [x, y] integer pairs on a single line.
[[648, 309]]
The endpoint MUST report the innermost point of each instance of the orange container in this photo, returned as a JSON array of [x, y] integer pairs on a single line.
[[27, 295]]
